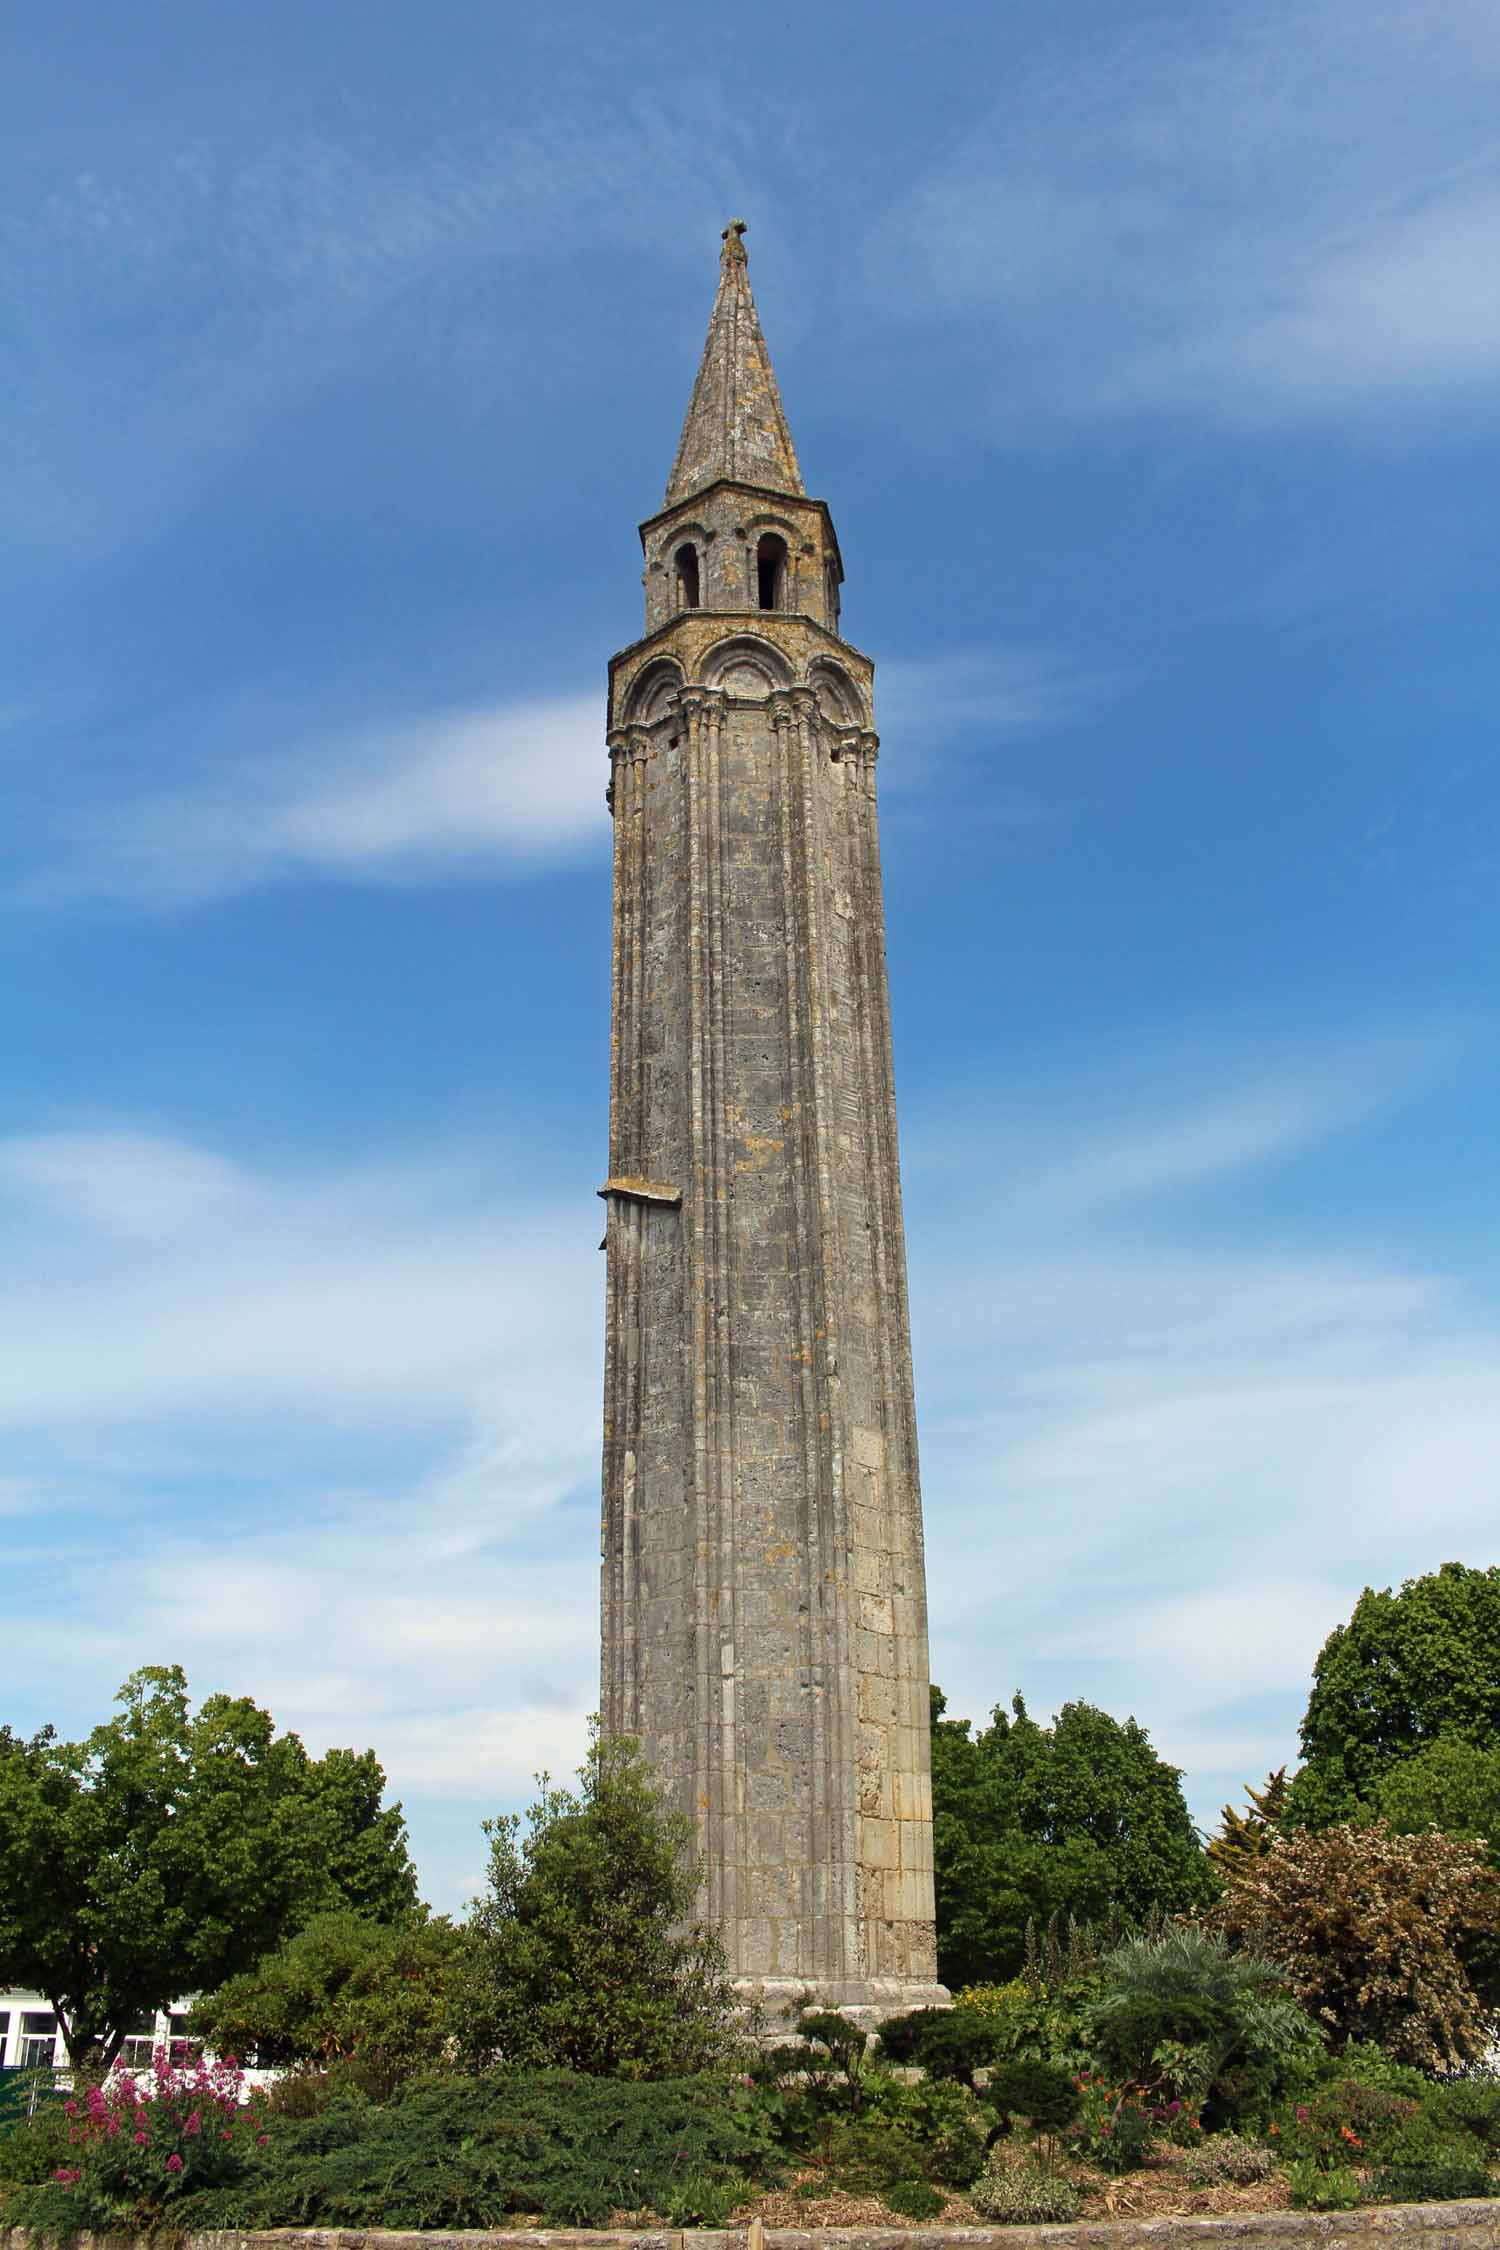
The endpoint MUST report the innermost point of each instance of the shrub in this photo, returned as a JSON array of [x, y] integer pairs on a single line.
[[1227, 2160], [947, 2123], [945, 2042], [933, 2130], [1469, 2105], [1368, 1928], [1343, 2123], [1427, 2162], [452, 2152], [870, 2153], [1027, 2018], [1314, 2189], [1373, 2069], [136, 2149], [584, 1952], [703, 2199], [835, 2053], [1023, 2195], [914, 2199], [343, 1986], [32, 2147], [1114, 2125], [1042, 2092], [1190, 2021]]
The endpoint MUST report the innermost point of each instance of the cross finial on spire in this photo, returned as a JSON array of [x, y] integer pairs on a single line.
[[735, 426]]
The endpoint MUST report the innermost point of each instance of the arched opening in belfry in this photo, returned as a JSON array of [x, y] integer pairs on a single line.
[[832, 583], [770, 571], [687, 577]]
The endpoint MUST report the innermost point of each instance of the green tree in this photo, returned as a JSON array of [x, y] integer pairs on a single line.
[[584, 1953], [1079, 1819], [171, 1849], [1453, 1786], [343, 1987], [1409, 1669]]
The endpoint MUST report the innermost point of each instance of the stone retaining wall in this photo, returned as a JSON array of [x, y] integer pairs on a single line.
[[1389, 2226]]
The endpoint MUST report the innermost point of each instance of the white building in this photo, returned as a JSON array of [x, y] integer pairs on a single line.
[[31, 2037]]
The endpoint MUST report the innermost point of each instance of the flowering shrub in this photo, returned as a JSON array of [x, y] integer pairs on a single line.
[[1115, 2124], [136, 2144], [1369, 1930], [1343, 2123]]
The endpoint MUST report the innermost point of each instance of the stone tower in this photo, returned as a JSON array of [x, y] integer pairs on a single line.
[[764, 1610]]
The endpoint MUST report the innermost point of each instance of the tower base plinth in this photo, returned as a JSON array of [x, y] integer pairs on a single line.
[[868, 2001]]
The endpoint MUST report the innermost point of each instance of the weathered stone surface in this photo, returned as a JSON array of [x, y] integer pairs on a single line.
[[1406, 2226], [735, 425], [764, 1605]]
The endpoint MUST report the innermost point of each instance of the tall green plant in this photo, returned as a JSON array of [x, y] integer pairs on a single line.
[[583, 1951], [1182, 2015]]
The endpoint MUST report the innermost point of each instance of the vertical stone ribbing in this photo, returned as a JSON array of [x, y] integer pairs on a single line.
[[762, 1589]]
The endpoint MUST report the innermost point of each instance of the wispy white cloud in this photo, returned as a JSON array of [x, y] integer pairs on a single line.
[[995, 691], [328, 1427], [1292, 210], [1161, 1461], [1042, 1168], [1161, 1480], [514, 783], [154, 1278], [125, 1183]]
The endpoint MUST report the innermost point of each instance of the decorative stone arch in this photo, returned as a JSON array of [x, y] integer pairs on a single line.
[[690, 528], [767, 520], [745, 665], [771, 546], [839, 698], [653, 690]]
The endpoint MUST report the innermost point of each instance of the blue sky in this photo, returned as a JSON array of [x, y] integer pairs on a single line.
[[1149, 358]]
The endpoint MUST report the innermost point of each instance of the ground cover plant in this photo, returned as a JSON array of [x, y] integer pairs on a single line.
[[460, 2151]]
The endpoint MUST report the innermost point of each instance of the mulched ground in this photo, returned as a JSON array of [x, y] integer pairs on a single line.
[[1160, 2190]]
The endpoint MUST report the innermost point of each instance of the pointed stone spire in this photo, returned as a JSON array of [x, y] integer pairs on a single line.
[[735, 425]]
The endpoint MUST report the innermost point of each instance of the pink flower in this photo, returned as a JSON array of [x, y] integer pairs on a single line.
[[261, 2139], [194, 2122], [174, 2162], [70, 2109], [143, 2140]]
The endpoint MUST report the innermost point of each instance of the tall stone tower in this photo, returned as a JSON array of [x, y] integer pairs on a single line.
[[764, 1610]]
